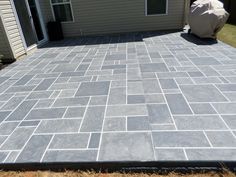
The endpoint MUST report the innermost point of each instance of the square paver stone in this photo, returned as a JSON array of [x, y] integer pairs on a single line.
[[202, 93], [126, 147], [93, 88]]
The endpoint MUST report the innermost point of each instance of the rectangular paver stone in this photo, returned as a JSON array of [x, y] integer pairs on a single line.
[[22, 110], [180, 139], [170, 154], [177, 104], [34, 149], [93, 119], [201, 122], [93, 88], [201, 61], [115, 124], [126, 110], [153, 67], [75, 112], [168, 84], [45, 84], [202, 108], [138, 123], [94, 140], [69, 141], [24, 80], [202, 93], [65, 102], [50, 113], [18, 139], [225, 108], [211, 154], [59, 126], [117, 96], [221, 138], [70, 156], [132, 147], [159, 113]]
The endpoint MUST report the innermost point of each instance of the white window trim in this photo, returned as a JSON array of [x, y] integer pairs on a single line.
[[146, 14], [60, 3]]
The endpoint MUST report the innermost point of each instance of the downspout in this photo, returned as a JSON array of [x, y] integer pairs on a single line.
[[186, 11]]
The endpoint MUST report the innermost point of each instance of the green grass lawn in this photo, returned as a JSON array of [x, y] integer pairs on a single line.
[[228, 35]]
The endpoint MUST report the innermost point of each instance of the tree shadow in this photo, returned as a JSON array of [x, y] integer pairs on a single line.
[[197, 40], [107, 39]]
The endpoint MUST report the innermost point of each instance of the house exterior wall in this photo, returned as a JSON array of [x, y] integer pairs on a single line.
[[5, 48], [12, 43], [116, 16]]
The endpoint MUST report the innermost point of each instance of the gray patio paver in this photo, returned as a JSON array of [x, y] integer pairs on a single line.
[[150, 96], [230, 120], [170, 155], [201, 122], [211, 154], [93, 89], [17, 139], [94, 140], [202, 93], [3, 156], [138, 123], [93, 119], [159, 113], [69, 141], [21, 111], [59, 126], [115, 124], [131, 146], [34, 149], [45, 84], [221, 138], [180, 139], [202, 108], [52, 113], [177, 104], [6, 128], [65, 102], [70, 156]]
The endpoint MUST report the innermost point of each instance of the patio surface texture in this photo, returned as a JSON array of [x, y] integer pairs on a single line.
[[133, 97]]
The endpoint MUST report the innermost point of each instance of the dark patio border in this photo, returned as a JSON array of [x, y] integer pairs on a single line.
[[160, 167]]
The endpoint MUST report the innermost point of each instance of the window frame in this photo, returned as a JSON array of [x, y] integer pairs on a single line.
[[146, 10], [62, 3]]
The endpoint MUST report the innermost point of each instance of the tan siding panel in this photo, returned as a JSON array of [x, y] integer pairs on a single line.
[[112, 16], [12, 28], [4, 45]]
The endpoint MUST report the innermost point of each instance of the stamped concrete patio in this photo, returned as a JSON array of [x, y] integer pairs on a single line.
[[134, 97]]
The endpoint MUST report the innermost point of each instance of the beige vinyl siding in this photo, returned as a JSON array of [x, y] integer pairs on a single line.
[[4, 44], [116, 16], [11, 28]]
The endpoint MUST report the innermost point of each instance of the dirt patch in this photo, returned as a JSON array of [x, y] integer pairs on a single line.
[[93, 174]]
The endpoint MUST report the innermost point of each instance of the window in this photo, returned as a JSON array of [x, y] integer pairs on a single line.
[[156, 7], [62, 10]]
